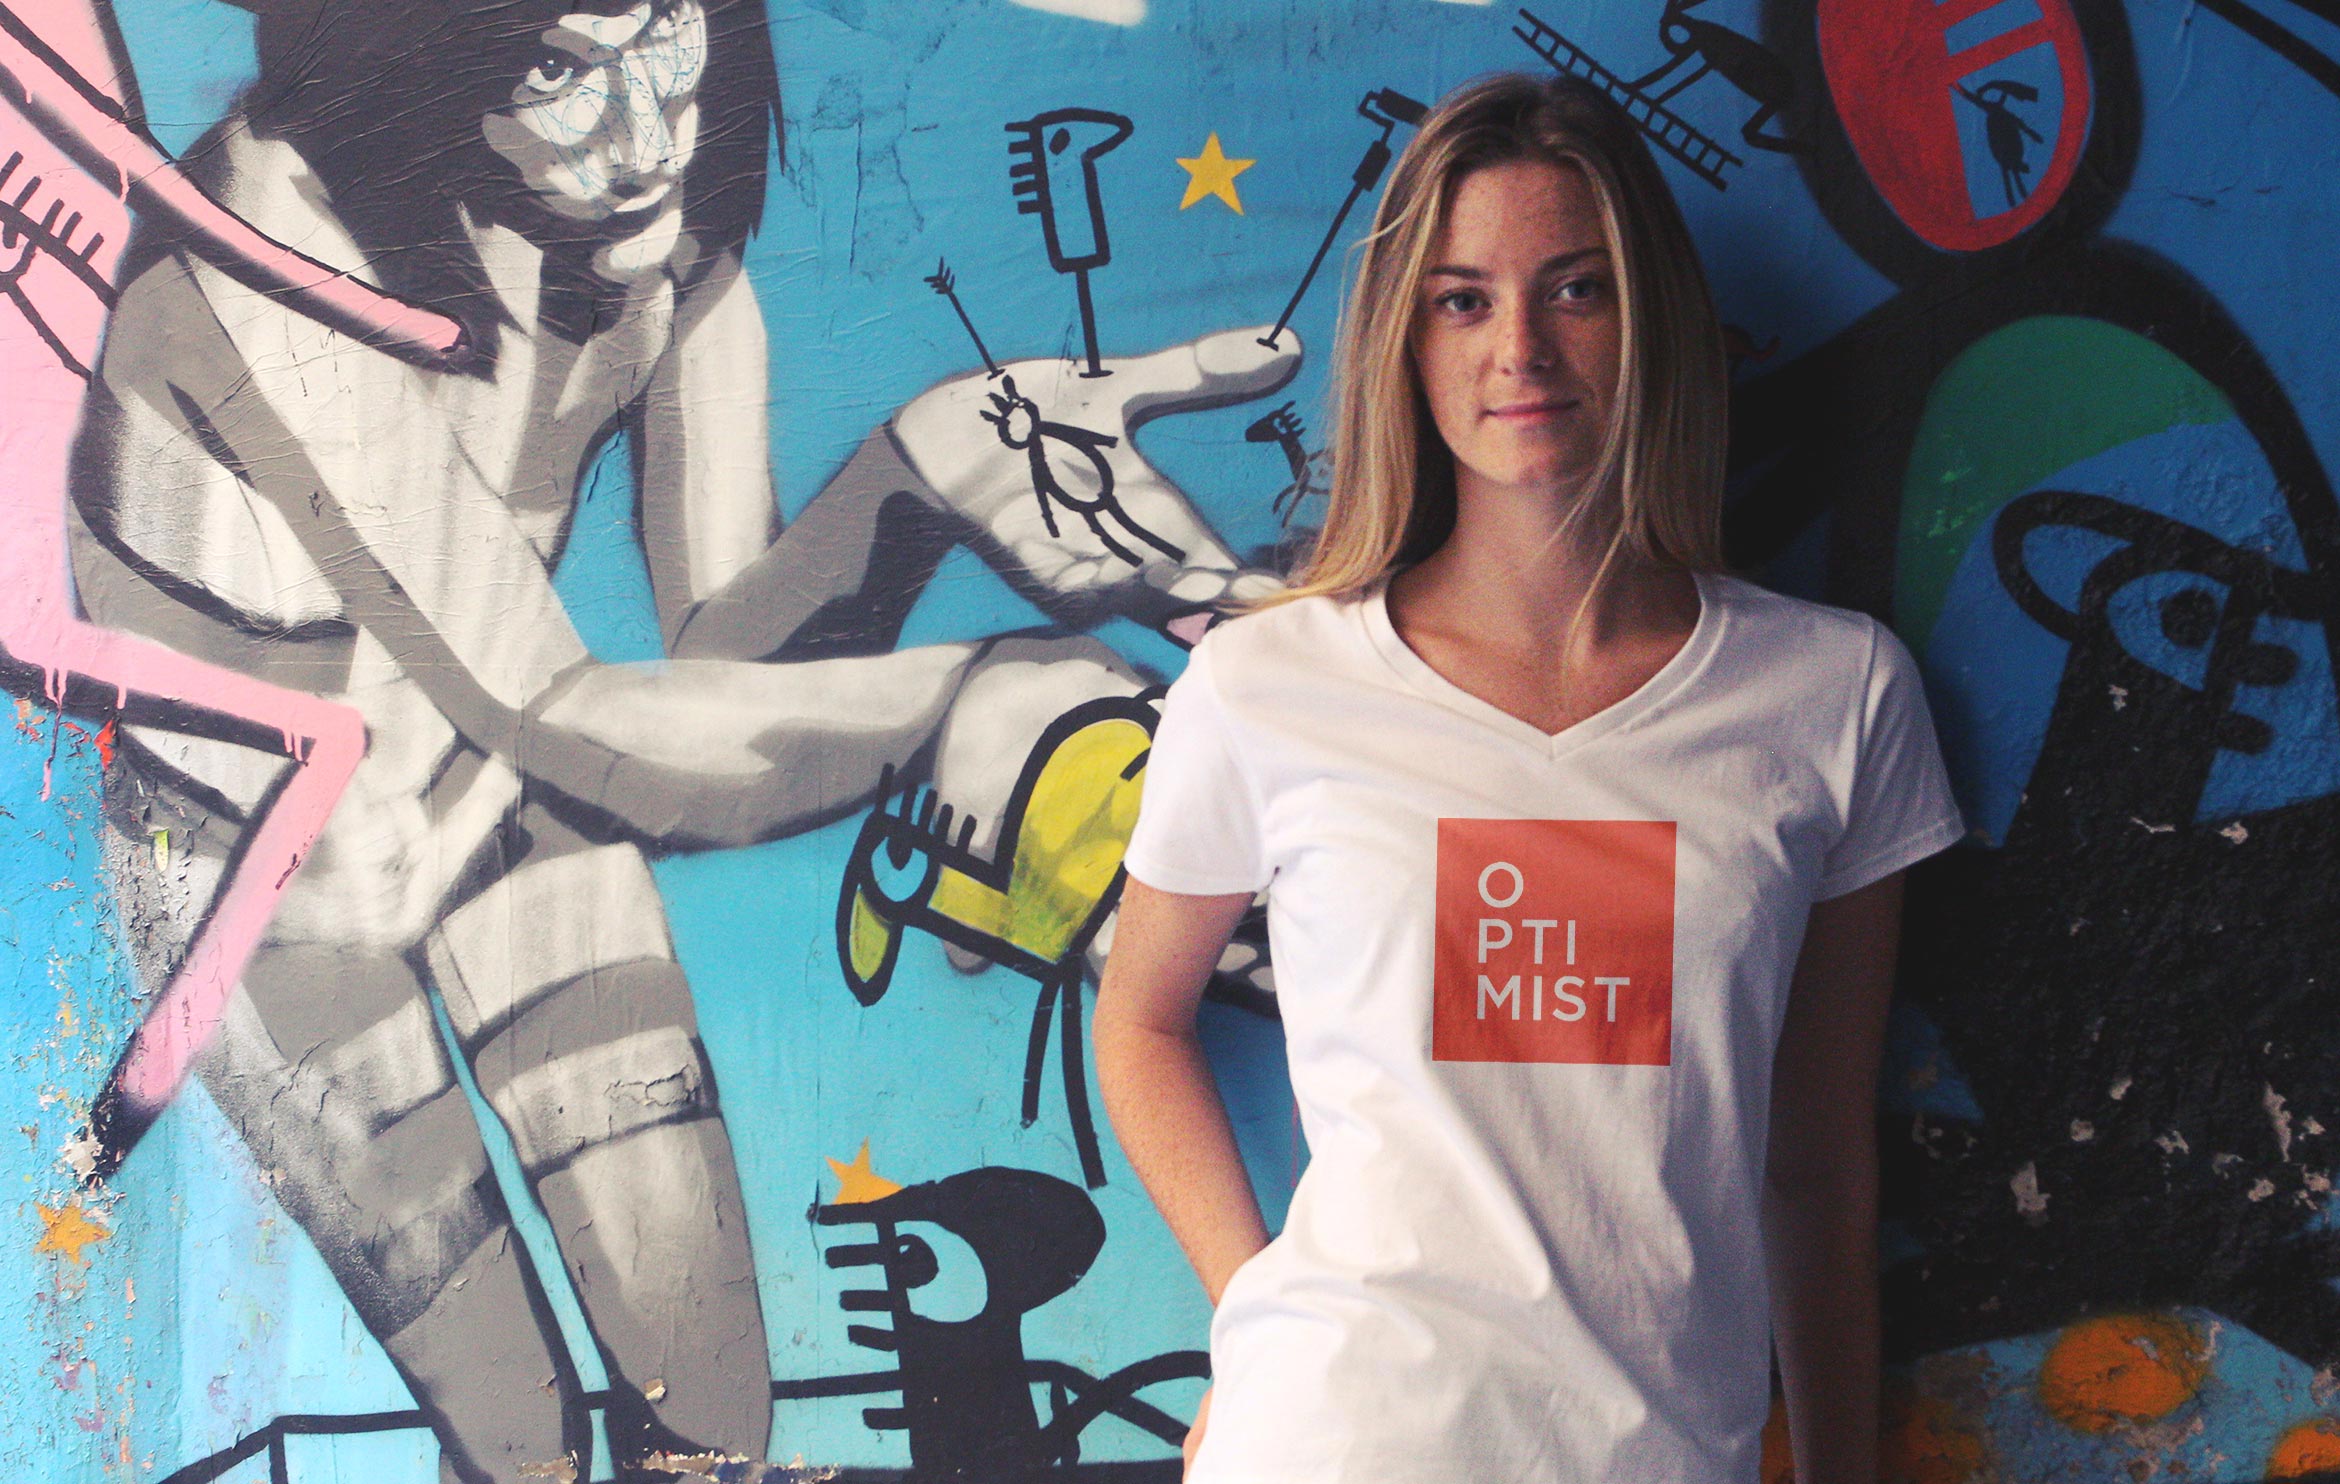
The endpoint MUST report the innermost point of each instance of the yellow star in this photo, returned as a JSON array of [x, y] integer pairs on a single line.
[[857, 1182], [67, 1230], [1213, 174]]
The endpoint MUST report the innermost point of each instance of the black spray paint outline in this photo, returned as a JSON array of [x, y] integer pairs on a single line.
[[911, 826], [1677, 136], [946, 283], [1017, 420], [1044, 138], [1387, 108], [1284, 428], [965, 1384]]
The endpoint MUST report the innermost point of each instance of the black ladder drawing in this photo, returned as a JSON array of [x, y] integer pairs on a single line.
[[1666, 129]]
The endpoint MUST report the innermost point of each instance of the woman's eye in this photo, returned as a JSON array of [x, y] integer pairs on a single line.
[[553, 71], [1460, 301], [1579, 290]]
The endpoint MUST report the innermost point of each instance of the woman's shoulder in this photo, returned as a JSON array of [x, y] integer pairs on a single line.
[[1769, 624], [1305, 630]]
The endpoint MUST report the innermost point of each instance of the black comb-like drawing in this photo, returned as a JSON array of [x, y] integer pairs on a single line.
[[1055, 179]]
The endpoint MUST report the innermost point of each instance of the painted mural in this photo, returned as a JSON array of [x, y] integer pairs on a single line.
[[586, 587]]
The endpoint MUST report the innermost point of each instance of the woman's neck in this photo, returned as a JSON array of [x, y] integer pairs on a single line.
[[1515, 571]]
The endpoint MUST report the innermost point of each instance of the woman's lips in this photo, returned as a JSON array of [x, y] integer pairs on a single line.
[[1527, 412]]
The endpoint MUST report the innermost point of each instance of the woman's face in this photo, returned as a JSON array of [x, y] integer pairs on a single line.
[[1517, 337], [605, 119]]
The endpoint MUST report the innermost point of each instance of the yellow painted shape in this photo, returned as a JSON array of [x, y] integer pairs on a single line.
[[1068, 846], [67, 1229], [1211, 173], [857, 1183], [866, 937]]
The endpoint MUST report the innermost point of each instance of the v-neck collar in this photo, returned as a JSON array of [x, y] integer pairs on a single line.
[[1417, 673]]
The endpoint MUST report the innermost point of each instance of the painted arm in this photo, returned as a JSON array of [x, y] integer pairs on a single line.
[[1820, 1183], [702, 449], [364, 461], [1034, 469]]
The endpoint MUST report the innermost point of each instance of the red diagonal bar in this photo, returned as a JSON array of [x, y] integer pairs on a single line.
[[2000, 47]]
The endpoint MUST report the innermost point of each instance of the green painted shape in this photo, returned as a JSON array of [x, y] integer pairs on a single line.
[[2019, 404]]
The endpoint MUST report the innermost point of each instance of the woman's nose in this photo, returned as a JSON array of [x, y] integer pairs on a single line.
[[642, 142], [1526, 340]]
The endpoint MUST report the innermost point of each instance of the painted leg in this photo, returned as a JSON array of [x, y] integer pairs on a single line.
[[331, 1065], [562, 984]]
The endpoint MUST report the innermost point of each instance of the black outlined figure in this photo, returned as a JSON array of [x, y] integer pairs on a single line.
[[1021, 1238], [1388, 108], [1741, 61], [1056, 180], [1283, 428], [1033, 906], [1021, 426], [2209, 615], [2005, 131], [1666, 129], [946, 283]]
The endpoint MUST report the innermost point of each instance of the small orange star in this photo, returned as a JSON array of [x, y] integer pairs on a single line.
[[67, 1229], [857, 1183]]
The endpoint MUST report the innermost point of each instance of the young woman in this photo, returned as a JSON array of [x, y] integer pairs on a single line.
[[1583, 870]]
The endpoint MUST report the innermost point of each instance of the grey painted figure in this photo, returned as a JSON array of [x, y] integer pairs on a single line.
[[576, 181]]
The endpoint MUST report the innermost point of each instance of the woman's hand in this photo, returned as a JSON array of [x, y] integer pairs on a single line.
[[973, 440], [1194, 1434]]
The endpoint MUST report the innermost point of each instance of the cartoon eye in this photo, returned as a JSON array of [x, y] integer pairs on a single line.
[[553, 71], [898, 872], [2166, 621], [944, 1272]]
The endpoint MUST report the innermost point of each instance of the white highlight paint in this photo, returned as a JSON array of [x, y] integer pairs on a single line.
[[1111, 12]]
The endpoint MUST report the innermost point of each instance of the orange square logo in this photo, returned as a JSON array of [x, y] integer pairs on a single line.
[[1555, 941]]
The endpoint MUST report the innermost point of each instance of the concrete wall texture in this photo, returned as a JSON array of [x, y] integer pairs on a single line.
[[561, 817]]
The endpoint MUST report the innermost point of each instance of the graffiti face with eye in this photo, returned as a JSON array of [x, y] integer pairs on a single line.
[[603, 122]]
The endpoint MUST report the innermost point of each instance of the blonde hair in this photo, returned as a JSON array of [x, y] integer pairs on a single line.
[[1393, 478]]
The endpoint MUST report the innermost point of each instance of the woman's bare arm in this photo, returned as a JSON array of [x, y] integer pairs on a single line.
[[1159, 1092], [1820, 1183]]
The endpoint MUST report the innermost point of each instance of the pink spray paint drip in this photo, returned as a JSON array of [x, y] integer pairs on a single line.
[[79, 165]]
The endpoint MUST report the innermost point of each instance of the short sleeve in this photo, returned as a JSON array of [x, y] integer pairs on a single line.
[[1198, 817], [1899, 808]]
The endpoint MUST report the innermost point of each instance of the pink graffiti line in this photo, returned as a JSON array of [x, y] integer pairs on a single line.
[[72, 164]]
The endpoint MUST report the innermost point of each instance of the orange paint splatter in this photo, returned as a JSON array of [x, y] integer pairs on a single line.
[[105, 744], [67, 1229], [2310, 1447], [2122, 1368]]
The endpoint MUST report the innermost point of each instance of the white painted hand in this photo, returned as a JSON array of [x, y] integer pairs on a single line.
[[1037, 461]]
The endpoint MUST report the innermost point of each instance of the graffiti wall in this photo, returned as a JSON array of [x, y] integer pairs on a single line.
[[586, 585]]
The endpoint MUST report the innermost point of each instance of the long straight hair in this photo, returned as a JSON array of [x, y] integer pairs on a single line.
[[1393, 477]]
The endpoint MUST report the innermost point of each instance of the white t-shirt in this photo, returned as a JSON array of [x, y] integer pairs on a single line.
[[1531, 987]]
